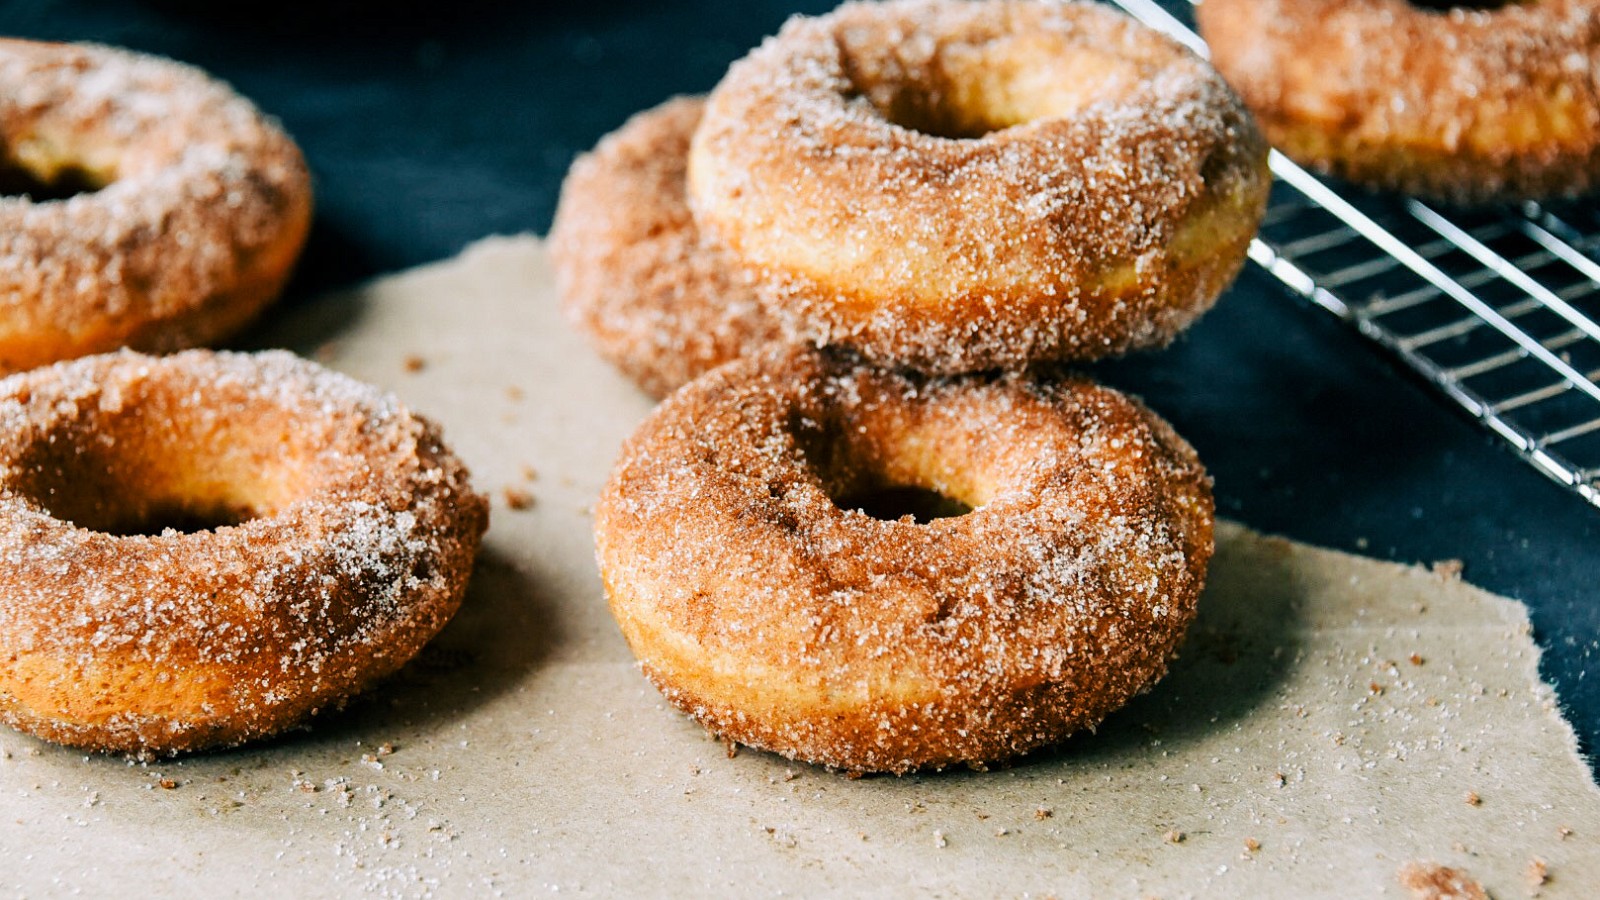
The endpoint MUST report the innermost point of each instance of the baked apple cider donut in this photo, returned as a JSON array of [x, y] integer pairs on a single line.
[[148, 205], [956, 186], [203, 549], [1463, 102], [753, 547], [657, 300]]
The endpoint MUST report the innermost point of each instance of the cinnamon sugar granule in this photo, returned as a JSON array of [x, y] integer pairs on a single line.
[[414, 363], [1537, 875], [517, 498], [1431, 881], [1473, 799]]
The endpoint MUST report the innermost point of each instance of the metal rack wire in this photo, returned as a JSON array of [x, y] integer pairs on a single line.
[[1498, 308]]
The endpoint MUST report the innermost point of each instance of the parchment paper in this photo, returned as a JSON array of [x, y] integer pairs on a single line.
[[1331, 719]]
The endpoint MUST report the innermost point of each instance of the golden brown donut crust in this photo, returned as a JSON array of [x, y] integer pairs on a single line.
[[356, 535], [780, 620], [203, 209], [955, 186], [1464, 105], [634, 273]]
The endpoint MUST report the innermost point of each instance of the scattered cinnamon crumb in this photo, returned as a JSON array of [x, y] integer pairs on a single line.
[[1375, 688], [1538, 875], [1043, 812], [1174, 836], [1280, 778], [1431, 881], [167, 784], [790, 775], [385, 749], [414, 363], [517, 498], [1564, 832], [1251, 845], [528, 473], [1448, 569], [514, 393], [1416, 659], [1473, 799]]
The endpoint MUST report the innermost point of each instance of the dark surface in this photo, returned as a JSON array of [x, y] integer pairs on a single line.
[[430, 125]]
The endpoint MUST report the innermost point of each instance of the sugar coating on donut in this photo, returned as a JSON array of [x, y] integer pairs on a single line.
[[201, 208], [768, 607], [1464, 105], [956, 186], [325, 534], [633, 270]]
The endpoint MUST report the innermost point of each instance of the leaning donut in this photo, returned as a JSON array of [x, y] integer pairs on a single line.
[[204, 549], [633, 270], [1466, 103], [763, 602], [956, 186], [177, 210]]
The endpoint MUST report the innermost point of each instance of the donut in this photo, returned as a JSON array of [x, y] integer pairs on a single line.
[[633, 270], [1467, 104], [208, 548], [760, 548], [956, 186], [146, 205]]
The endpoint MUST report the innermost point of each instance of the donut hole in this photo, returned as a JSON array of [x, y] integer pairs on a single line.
[[889, 469], [61, 184], [43, 170], [965, 91], [892, 503], [151, 467]]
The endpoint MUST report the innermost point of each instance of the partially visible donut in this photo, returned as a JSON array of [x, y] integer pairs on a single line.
[[766, 605], [189, 213], [204, 549], [634, 273], [956, 186], [1466, 103]]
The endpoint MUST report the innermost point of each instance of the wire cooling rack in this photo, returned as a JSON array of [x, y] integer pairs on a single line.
[[1495, 308]]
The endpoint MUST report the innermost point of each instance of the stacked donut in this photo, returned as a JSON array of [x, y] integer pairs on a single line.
[[206, 548], [868, 529]]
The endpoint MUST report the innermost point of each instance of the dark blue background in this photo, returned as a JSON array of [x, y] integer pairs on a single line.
[[430, 125]]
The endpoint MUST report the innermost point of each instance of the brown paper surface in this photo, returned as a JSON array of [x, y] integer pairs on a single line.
[[1340, 716]]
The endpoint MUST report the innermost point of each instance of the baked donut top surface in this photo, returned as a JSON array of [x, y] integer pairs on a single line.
[[961, 133], [171, 478], [155, 185], [1080, 500], [1397, 61]]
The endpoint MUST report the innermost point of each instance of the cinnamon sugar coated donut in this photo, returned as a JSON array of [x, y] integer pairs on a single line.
[[1466, 103], [766, 605], [958, 185], [204, 549], [186, 210], [632, 268]]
